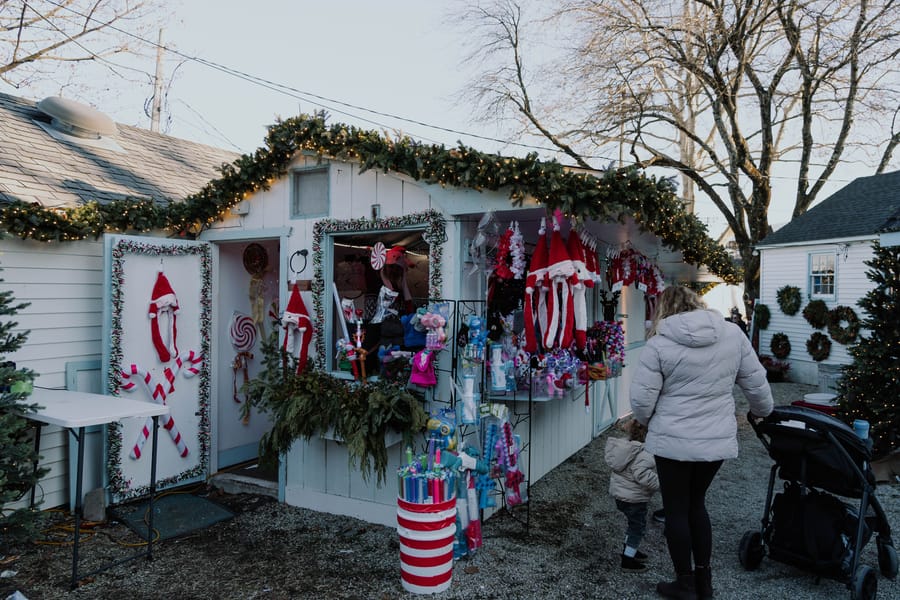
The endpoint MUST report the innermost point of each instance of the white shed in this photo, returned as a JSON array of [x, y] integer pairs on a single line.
[[293, 212], [823, 253]]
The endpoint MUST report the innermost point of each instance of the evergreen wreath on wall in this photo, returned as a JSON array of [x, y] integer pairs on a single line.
[[608, 196], [780, 345], [843, 334], [788, 299], [819, 346], [763, 316], [816, 313]]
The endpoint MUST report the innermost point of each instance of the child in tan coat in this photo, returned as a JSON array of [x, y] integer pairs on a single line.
[[632, 483]]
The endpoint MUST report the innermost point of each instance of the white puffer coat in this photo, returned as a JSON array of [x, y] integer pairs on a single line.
[[633, 477], [682, 389]]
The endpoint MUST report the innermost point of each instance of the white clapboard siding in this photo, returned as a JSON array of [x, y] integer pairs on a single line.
[[64, 285], [789, 266]]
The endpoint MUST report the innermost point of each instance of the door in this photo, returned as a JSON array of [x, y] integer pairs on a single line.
[[247, 293], [157, 324]]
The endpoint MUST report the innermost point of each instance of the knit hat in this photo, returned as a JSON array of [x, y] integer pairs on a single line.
[[163, 304], [295, 320], [534, 280]]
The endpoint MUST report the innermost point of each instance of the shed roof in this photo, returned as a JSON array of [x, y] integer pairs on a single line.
[[37, 167], [864, 207]]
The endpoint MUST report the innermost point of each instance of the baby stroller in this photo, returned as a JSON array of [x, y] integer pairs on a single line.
[[805, 525]]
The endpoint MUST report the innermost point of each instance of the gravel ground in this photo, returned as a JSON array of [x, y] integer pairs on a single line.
[[570, 550]]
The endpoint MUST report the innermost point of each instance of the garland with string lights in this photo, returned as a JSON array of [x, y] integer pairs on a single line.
[[609, 196]]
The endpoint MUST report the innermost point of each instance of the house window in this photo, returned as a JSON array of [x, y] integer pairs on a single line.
[[309, 193], [821, 275]]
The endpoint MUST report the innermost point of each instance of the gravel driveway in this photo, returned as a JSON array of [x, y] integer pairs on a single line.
[[570, 550]]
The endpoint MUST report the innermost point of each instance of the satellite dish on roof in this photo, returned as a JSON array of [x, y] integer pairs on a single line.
[[77, 119]]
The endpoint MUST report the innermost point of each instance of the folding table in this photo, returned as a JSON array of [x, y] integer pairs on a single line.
[[77, 410]]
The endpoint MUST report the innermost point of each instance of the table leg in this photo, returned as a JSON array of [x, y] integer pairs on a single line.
[[152, 488], [79, 437], [37, 452]]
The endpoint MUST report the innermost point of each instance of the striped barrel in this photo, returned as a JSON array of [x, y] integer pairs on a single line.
[[426, 533]]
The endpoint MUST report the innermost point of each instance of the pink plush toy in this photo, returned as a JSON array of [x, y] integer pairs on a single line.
[[436, 335]]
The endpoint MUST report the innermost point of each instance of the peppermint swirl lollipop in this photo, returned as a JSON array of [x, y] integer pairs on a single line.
[[379, 252], [243, 332]]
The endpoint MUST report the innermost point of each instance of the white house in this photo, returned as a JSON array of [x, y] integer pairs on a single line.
[[823, 252], [292, 212]]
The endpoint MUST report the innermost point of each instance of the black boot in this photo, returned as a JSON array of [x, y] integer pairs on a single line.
[[683, 588], [703, 582]]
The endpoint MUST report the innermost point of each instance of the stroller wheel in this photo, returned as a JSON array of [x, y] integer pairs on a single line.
[[751, 550], [864, 584], [887, 558]]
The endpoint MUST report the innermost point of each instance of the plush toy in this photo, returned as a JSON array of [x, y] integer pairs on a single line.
[[434, 323]]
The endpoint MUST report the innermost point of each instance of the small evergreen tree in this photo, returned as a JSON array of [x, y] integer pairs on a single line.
[[870, 388], [17, 455]]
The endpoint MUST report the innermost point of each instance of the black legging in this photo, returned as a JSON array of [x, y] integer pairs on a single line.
[[683, 487]]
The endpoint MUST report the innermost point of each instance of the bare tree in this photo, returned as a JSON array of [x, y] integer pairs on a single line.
[[39, 39], [722, 92]]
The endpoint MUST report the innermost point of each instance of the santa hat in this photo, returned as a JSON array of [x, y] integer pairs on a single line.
[[395, 255], [295, 320], [163, 304], [560, 270], [537, 270], [579, 304]]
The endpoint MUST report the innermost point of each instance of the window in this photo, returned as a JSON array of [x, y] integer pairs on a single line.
[[309, 193], [821, 275]]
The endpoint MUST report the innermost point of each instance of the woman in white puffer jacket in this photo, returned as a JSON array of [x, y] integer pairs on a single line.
[[682, 390]]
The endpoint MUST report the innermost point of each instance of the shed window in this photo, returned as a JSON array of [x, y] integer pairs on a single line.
[[309, 193], [821, 275]]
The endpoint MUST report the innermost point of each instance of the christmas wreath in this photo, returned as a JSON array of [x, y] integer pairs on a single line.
[[762, 314], [843, 334], [816, 313], [789, 299], [780, 345], [819, 346]]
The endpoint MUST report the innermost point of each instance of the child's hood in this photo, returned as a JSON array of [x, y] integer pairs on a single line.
[[619, 453]]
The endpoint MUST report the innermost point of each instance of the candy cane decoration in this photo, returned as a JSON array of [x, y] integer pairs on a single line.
[[158, 393]]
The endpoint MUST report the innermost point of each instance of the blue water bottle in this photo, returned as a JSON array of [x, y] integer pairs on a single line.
[[861, 429]]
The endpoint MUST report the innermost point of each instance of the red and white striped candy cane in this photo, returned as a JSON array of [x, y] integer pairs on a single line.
[[158, 393], [192, 363]]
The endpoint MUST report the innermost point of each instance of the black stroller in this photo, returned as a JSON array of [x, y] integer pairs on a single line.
[[805, 525]]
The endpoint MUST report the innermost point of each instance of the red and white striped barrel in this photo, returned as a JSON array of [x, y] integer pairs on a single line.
[[426, 545]]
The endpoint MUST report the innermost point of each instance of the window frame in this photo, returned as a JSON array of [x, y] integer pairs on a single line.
[[814, 278], [298, 173]]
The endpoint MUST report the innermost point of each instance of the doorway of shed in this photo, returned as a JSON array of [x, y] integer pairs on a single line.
[[248, 285]]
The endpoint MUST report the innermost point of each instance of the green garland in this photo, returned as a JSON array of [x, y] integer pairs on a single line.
[[816, 313], [788, 299], [612, 195], [843, 334], [819, 346], [763, 316], [780, 345]]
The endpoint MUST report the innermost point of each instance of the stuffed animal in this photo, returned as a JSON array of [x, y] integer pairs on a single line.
[[434, 323]]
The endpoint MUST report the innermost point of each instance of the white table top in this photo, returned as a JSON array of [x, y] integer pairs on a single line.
[[81, 409]]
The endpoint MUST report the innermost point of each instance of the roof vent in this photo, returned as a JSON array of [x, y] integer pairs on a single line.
[[77, 119]]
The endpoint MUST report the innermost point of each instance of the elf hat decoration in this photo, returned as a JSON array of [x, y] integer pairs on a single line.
[[163, 305], [581, 279], [537, 271], [297, 327]]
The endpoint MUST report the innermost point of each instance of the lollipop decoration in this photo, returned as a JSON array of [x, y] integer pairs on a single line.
[[379, 255], [243, 339]]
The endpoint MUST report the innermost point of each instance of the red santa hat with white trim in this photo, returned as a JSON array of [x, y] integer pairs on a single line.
[[297, 327], [163, 305], [534, 280], [581, 280], [561, 271]]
